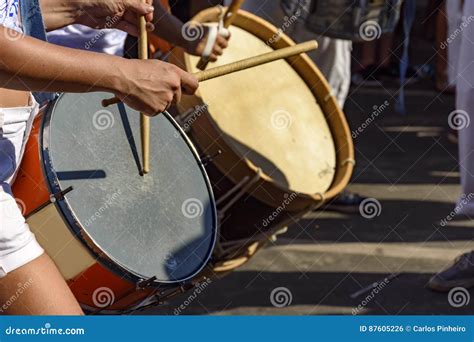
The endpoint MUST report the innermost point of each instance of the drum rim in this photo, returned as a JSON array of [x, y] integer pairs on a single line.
[[304, 201], [77, 229]]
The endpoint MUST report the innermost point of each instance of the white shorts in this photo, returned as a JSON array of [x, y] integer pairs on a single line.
[[18, 245]]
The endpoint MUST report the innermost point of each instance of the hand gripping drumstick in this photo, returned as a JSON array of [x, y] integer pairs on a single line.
[[243, 64], [144, 120], [228, 19]]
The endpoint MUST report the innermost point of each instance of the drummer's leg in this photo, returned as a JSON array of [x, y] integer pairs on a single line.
[[30, 283], [37, 288]]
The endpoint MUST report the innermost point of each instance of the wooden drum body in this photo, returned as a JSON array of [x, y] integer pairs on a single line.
[[279, 143], [121, 240]]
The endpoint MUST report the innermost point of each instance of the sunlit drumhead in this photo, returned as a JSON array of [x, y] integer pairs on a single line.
[[270, 116], [161, 225]]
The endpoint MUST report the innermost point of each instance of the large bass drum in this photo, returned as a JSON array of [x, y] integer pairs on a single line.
[[121, 240], [278, 143]]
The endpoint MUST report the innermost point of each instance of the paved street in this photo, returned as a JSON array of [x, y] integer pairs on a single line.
[[407, 164]]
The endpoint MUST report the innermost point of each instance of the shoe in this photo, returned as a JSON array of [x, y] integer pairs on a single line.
[[460, 274], [346, 202]]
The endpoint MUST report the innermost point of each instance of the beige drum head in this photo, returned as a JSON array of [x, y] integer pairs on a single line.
[[269, 115]]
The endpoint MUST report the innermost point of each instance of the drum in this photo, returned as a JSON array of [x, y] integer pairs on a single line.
[[346, 19], [276, 142], [120, 239]]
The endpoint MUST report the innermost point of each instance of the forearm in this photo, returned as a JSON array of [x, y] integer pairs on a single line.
[[168, 26], [59, 13], [32, 65]]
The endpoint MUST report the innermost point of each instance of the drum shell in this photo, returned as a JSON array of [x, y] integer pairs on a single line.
[[98, 283], [208, 137], [73, 259]]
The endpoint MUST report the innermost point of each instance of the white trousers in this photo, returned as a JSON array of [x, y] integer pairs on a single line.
[[18, 245], [465, 102]]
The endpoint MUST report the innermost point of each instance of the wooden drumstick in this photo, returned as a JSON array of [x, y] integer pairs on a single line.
[[229, 17], [231, 13], [243, 64], [144, 120]]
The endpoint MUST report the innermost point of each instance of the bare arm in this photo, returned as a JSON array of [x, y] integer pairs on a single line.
[[120, 14], [33, 65], [170, 28]]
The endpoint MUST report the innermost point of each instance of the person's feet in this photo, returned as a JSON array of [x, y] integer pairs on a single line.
[[460, 274], [346, 202]]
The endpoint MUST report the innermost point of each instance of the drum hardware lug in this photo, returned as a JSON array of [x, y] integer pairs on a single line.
[[209, 158], [348, 161], [58, 196], [144, 283], [187, 118]]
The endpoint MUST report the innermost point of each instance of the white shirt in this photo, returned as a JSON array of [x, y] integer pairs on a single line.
[[9, 14], [109, 41]]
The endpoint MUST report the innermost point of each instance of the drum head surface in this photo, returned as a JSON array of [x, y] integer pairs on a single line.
[[270, 116], [162, 224]]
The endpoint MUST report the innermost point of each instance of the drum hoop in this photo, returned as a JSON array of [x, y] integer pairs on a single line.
[[74, 225], [303, 200]]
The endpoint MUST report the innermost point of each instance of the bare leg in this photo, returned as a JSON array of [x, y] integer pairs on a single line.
[[368, 54], [37, 288], [385, 50]]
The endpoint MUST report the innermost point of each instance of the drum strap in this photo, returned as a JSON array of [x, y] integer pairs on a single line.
[[214, 31]]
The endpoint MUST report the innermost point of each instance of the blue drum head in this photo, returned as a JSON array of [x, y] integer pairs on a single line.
[[159, 225]]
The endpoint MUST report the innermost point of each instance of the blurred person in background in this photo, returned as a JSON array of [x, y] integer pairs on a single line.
[[333, 58], [461, 273]]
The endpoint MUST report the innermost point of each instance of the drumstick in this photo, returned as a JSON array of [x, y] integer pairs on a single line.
[[232, 12], [243, 64], [144, 120], [229, 17]]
